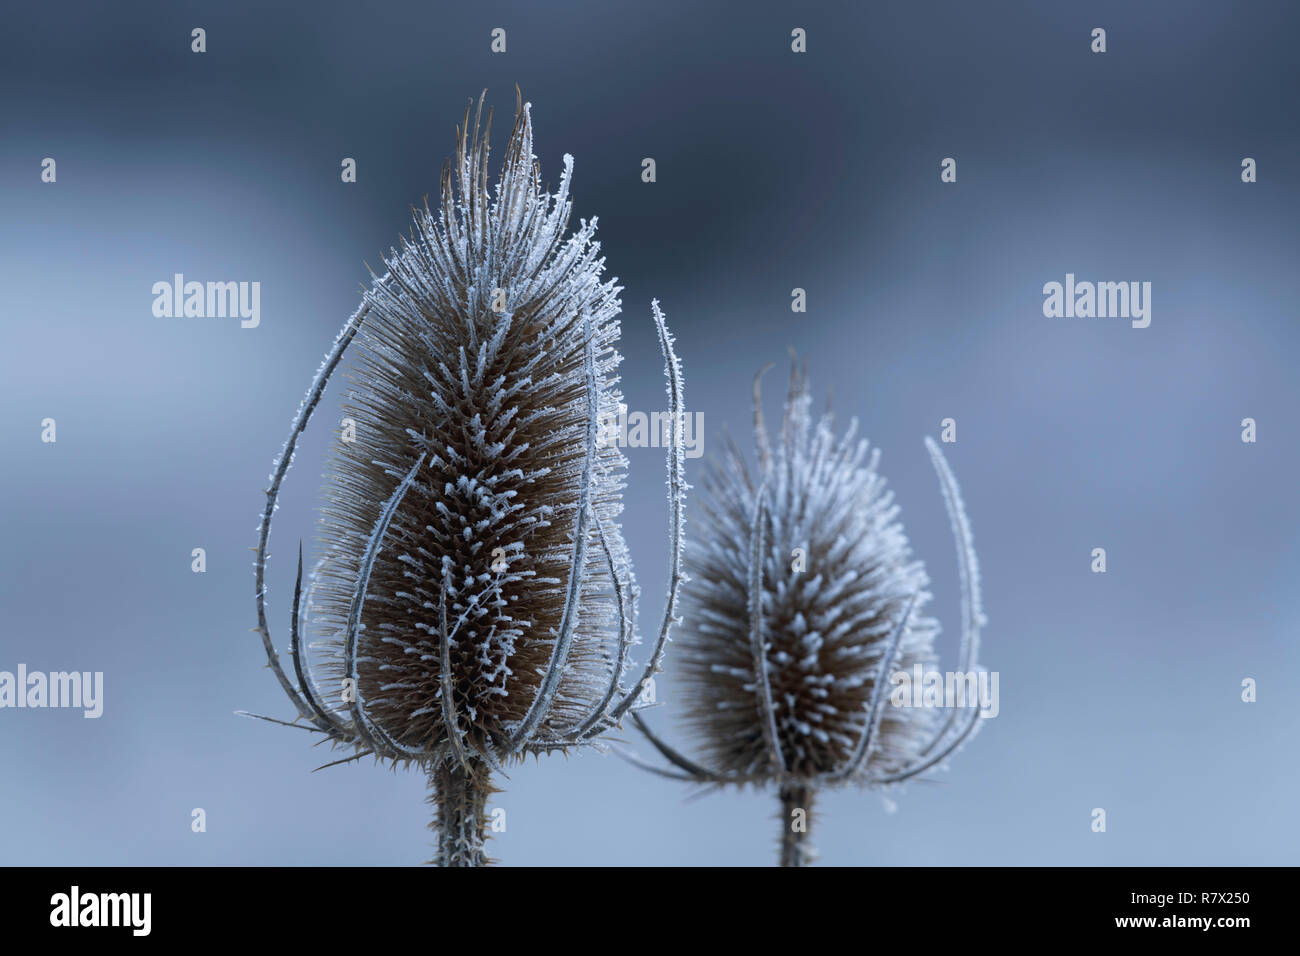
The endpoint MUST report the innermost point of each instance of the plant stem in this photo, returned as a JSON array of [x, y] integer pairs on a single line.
[[796, 818], [460, 796]]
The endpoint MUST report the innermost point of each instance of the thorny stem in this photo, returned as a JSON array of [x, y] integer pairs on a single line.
[[459, 793], [796, 817]]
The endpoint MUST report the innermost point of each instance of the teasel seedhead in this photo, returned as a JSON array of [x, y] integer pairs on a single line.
[[474, 600], [803, 599]]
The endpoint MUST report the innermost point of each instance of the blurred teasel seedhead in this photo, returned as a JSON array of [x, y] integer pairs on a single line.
[[803, 599], [474, 600]]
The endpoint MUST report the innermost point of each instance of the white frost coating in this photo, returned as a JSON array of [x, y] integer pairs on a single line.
[[871, 724], [323, 720], [754, 600], [677, 520], [365, 728], [569, 621], [831, 634], [453, 266], [968, 568]]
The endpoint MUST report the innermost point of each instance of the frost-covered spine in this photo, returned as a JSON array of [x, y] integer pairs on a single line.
[[460, 795]]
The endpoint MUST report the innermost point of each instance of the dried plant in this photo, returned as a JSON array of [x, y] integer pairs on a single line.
[[475, 599], [786, 668]]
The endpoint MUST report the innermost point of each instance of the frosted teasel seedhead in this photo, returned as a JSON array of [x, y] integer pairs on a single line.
[[475, 601], [803, 599]]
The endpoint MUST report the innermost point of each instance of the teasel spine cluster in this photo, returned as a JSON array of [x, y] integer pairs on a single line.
[[569, 703], [788, 675]]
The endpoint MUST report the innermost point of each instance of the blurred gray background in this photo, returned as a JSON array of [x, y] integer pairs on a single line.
[[775, 170]]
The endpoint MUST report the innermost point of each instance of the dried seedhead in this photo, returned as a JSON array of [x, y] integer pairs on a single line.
[[474, 599], [803, 599]]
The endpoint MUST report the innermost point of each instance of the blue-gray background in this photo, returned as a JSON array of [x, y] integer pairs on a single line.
[[775, 170]]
